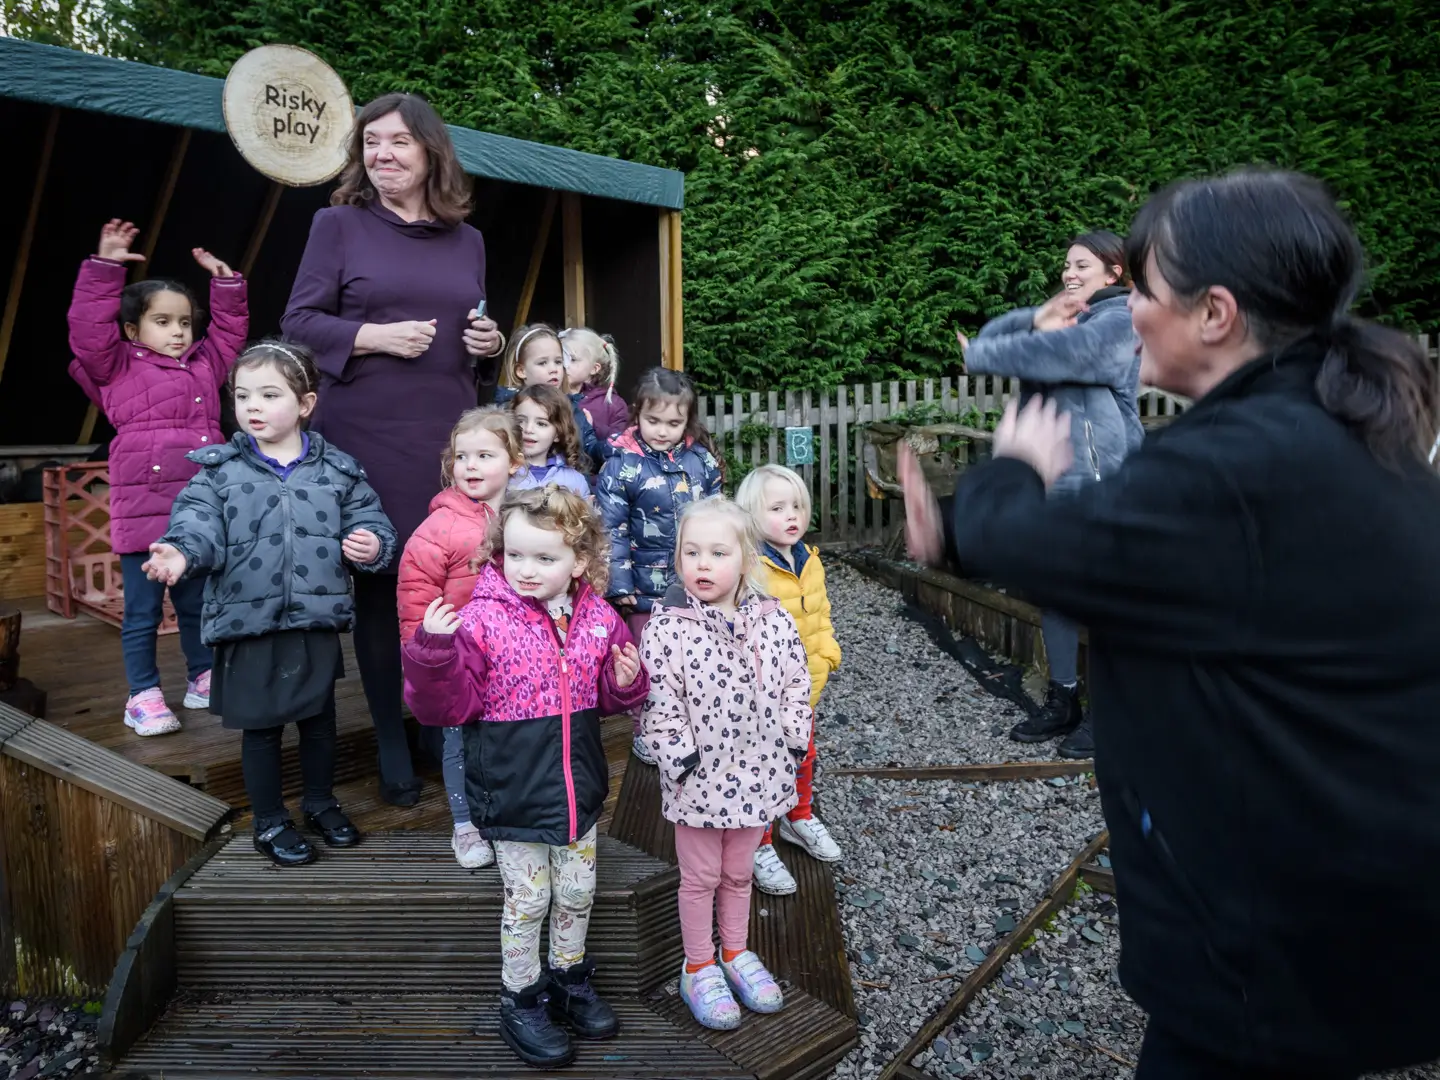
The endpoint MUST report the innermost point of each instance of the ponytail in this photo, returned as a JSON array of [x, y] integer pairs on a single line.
[[1380, 383]]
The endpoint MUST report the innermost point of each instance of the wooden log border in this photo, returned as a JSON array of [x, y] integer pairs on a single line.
[[1056, 898], [983, 772]]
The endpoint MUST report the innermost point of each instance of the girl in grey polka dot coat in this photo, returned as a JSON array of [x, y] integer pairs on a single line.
[[272, 545]]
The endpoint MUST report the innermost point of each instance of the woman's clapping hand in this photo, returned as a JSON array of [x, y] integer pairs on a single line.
[[1039, 435], [924, 532], [1059, 311]]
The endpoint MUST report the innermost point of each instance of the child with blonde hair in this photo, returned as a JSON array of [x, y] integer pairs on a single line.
[[535, 357], [727, 720], [443, 558], [592, 363], [529, 666], [779, 502]]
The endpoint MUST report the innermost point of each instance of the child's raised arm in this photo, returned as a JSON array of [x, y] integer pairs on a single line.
[[665, 722], [229, 316], [94, 315], [445, 669]]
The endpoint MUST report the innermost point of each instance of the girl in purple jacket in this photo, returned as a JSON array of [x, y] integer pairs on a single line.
[[137, 358], [528, 667], [592, 364]]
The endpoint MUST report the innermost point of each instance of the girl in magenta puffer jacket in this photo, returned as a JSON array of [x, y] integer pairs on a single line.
[[529, 666], [136, 357]]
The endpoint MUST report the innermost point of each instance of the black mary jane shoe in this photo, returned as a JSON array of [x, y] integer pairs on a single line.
[[333, 827], [404, 794], [284, 846]]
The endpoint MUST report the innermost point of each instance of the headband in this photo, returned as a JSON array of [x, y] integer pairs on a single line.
[[286, 351], [528, 335]]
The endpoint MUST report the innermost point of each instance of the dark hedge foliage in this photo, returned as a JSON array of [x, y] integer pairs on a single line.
[[866, 177]]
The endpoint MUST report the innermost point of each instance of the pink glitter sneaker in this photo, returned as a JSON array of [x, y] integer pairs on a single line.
[[197, 692], [147, 713]]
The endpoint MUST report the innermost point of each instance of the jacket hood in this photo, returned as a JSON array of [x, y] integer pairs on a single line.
[[239, 447], [630, 440], [1110, 292], [679, 602], [450, 498]]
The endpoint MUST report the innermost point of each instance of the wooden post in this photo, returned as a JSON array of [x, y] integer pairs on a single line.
[[663, 247], [574, 260], [676, 342], [537, 256], [152, 237], [262, 226], [27, 236], [9, 647]]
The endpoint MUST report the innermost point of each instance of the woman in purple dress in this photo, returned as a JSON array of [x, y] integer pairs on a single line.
[[387, 296]]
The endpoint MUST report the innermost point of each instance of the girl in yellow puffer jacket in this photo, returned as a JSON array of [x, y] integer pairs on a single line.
[[779, 502]]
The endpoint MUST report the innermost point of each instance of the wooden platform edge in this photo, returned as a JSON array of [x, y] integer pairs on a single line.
[[980, 772], [1098, 878], [1055, 898], [144, 979], [93, 768]]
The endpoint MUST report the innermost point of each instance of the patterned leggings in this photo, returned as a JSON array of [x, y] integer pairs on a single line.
[[534, 874]]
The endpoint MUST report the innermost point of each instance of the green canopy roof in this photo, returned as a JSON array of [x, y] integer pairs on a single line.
[[77, 80]]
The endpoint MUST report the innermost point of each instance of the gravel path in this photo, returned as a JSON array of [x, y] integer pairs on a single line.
[[934, 875], [47, 1038], [898, 698]]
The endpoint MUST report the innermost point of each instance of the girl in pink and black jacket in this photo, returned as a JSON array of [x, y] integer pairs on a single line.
[[529, 666], [137, 358]]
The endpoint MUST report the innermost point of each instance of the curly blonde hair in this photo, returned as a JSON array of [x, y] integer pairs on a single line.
[[559, 510], [586, 344], [497, 420], [520, 337], [747, 536]]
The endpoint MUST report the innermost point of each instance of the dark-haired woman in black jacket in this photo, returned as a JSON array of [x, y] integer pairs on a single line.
[[1262, 589]]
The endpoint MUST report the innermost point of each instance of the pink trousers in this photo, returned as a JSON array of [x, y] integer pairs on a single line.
[[716, 866]]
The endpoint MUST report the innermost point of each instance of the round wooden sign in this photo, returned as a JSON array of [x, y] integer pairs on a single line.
[[289, 114]]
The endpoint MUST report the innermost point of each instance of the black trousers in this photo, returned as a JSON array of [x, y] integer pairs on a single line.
[[260, 761], [1163, 1057], [377, 652]]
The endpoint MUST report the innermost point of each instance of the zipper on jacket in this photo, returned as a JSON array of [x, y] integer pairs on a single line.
[[1090, 445], [565, 716], [289, 550]]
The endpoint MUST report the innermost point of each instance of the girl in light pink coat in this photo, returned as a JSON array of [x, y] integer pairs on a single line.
[[728, 721], [137, 358]]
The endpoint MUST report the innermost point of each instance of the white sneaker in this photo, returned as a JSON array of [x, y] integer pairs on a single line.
[[770, 873], [472, 850], [813, 837], [641, 749]]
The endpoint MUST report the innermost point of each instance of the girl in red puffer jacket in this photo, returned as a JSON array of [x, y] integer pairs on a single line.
[[137, 357], [443, 559]]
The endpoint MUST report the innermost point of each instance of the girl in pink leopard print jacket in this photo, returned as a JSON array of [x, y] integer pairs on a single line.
[[728, 720]]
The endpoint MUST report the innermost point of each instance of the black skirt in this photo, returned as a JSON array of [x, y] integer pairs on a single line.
[[275, 679]]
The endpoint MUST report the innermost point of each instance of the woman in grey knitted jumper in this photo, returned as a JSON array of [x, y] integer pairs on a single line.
[[1079, 350]]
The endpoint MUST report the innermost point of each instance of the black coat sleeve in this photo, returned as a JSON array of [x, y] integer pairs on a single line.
[[1162, 554]]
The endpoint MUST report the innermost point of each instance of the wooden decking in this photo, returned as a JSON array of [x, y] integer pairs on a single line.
[[78, 662]]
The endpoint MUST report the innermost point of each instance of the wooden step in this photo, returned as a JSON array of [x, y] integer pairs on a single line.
[[342, 1037], [398, 915]]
